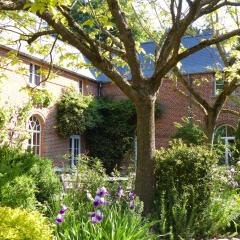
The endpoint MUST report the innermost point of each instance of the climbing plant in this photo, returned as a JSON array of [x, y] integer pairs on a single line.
[[76, 113], [109, 125], [39, 98], [113, 137]]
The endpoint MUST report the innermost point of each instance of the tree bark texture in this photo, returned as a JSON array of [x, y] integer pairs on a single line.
[[145, 179]]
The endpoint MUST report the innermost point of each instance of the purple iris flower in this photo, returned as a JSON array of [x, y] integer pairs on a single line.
[[101, 192], [63, 209], [59, 219], [132, 205], [99, 201], [96, 217], [120, 192], [132, 196]]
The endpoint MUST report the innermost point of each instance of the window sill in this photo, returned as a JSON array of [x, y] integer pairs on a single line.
[[31, 85]]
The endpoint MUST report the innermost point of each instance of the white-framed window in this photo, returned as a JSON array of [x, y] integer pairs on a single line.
[[74, 149], [226, 135], [80, 86], [34, 75], [34, 141], [218, 86]]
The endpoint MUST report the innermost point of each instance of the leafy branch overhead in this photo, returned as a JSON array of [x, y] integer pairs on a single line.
[[120, 44]]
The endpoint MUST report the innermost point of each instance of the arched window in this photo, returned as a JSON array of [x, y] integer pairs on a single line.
[[34, 129], [226, 135]]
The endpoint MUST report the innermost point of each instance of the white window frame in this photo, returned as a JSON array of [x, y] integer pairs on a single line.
[[216, 83], [72, 148], [226, 140], [34, 73], [33, 131]]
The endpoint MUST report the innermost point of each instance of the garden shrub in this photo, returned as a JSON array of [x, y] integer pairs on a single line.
[[13, 163], [189, 132], [19, 224], [18, 169], [20, 192], [185, 178], [47, 182]]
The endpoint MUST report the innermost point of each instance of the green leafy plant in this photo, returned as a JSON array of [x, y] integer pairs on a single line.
[[39, 97], [185, 180], [114, 121], [19, 224], [2, 118], [76, 113], [21, 169], [20, 192], [117, 220], [189, 132], [115, 133]]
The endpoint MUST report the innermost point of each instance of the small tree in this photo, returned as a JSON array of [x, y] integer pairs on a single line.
[[230, 75]]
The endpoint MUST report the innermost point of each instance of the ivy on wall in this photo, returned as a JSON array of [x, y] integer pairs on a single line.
[[39, 98], [76, 113], [109, 125], [113, 137]]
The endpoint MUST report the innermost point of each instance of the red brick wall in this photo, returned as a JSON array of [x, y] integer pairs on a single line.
[[53, 145], [175, 106]]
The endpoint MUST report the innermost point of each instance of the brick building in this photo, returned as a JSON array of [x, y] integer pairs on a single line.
[[41, 121]]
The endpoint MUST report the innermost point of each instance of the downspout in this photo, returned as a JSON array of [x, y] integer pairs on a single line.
[[99, 89], [190, 113]]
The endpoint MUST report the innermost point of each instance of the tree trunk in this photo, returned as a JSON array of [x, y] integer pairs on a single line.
[[145, 180], [210, 123]]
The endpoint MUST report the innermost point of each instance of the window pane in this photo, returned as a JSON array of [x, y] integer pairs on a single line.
[[31, 73], [80, 86], [34, 128], [230, 131], [219, 86], [74, 148], [37, 79]]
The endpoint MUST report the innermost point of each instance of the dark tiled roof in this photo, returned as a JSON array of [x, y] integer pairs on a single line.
[[200, 62]]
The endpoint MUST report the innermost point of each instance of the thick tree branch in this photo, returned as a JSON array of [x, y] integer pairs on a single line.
[[12, 5], [213, 6], [126, 37], [190, 88], [36, 35], [94, 43], [207, 43], [172, 11], [175, 88], [97, 60], [172, 42]]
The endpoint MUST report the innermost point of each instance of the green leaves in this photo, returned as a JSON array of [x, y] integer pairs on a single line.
[[76, 113], [189, 132], [39, 97]]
